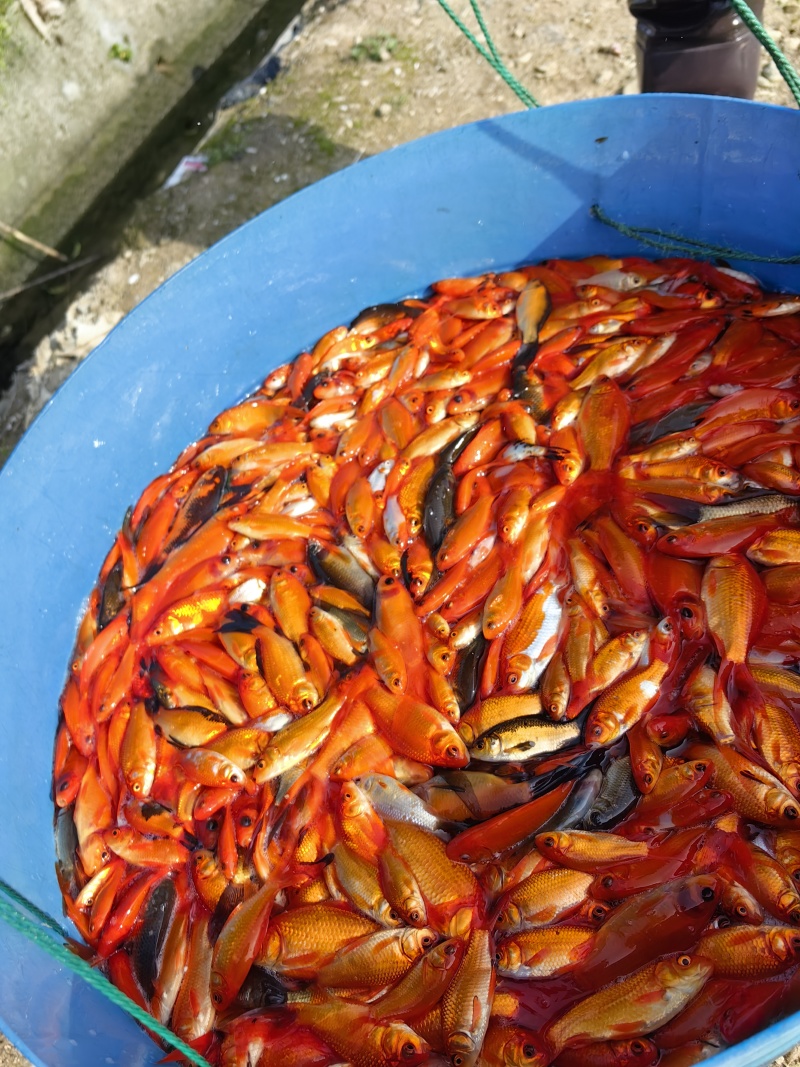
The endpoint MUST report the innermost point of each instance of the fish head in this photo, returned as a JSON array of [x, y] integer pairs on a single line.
[[204, 863], [488, 747], [737, 902], [552, 841], [781, 807], [386, 915], [304, 696], [516, 672], [684, 974], [691, 617], [354, 801], [784, 407], [642, 529], [662, 639], [402, 1046], [696, 771], [508, 957], [509, 918], [788, 904], [462, 1049], [602, 728], [520, 1050], [640, 1052], [698, 890], [445, 956], [415, 942], [449, 749], [783, 943]]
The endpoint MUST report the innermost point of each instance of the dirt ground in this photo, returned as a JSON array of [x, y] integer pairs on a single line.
[[359, 77]]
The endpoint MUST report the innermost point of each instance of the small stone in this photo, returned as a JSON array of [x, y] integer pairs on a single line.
[[383, 111], [133, 279], [518, 31], [610, 49], [71, 91]]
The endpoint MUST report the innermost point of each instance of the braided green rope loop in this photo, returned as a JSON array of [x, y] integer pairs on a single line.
[[23, 924], [492, 57], [790, 75], [686, 246]]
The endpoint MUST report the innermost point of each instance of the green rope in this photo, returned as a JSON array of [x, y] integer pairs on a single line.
[[476, 9], [492, 57], [788, 72], [23, 924], [675, 242], [42, 916]]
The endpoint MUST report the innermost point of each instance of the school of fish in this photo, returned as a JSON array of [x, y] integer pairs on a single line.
[[441, 705]]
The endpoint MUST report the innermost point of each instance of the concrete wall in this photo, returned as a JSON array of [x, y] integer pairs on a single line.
[[71, 115]]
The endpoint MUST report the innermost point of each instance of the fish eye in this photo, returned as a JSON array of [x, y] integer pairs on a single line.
[[513, 679], [684, 961], [597, 731], [211, 825], [790, 812], [261, 764], [427, 940], [453, 751], [529, 1051], [671, 539], [450, 950], [741, 910], [648, 779], [217, 998], [246, 820], [608, 882], [307, 704], [550, 841], [388, 581], [497, 957], [707, 893], [414, 918], [598, 913], [408, 1050], [687, 613], [637, 1048], [457, 1060]]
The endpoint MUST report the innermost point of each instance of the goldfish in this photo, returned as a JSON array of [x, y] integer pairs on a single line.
[[441, 702]]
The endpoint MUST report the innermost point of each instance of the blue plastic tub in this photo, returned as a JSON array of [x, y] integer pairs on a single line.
[[484, 196]]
